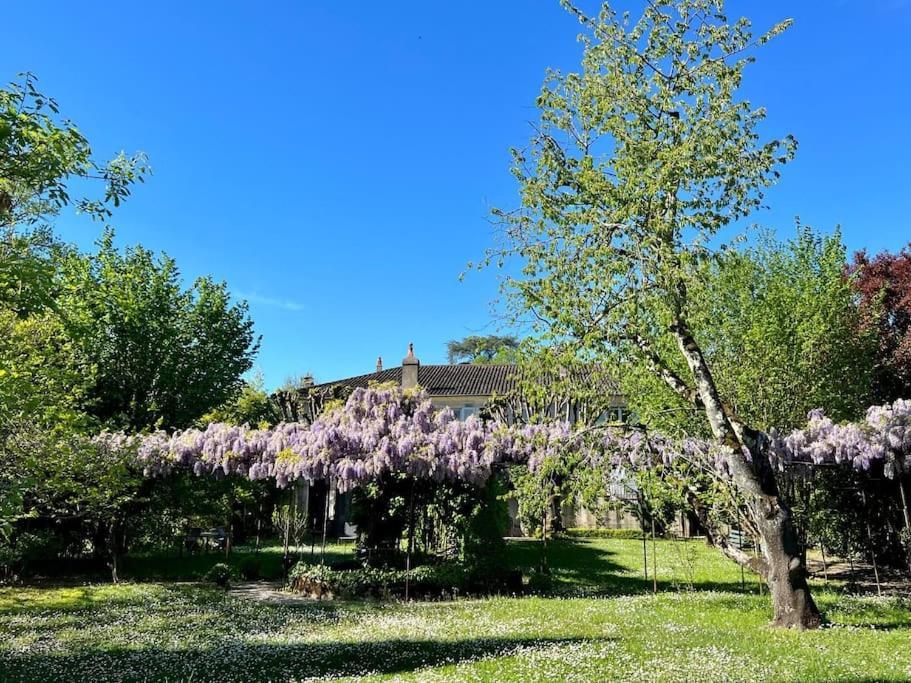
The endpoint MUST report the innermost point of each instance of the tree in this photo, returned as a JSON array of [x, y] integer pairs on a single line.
[[40, 155], [780, 327], [45, 377], [639, 162], [884, 285], [251, 406], [552, 383], [483, 350], [165, 355]]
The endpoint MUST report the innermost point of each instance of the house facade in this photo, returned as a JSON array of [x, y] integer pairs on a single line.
[[467, 390]]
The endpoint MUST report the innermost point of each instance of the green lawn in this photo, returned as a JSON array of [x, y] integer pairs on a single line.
[[619, 631]]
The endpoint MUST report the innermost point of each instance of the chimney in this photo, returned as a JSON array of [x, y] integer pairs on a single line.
[[410, 369], [379, 363]]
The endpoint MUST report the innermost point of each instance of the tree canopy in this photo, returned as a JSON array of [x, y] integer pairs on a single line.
[[482, 350], [41, 154], [640, 161], [780, 326], [164, 355], [884, 284]]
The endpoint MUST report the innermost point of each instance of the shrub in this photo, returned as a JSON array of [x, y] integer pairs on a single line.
[[219, 574], [427, 581], [627, 534]]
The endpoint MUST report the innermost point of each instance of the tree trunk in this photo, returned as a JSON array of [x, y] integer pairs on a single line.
[[784, 571], [782, 565], [556, 514]]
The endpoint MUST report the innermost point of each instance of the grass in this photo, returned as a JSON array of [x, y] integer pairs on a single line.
[[601, 623]]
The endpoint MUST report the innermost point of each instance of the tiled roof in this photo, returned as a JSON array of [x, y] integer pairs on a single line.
[[445, 380]]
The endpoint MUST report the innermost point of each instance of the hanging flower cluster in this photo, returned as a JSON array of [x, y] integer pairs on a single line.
[[382, 431], [378, 431], [884, 436]]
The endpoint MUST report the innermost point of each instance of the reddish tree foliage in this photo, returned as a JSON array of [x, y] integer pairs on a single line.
[[884, 285]]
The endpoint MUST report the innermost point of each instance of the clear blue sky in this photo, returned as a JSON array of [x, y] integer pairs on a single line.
[[335, 161]]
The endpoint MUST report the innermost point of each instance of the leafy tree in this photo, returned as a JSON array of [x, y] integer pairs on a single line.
[[27, 269], [251, 406], [41, 154], [640, 160], [884, 284], [297, 382], [483, 350], [165, 355], [778, 323], [46, 378]]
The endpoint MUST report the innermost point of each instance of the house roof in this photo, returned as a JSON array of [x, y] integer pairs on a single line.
[[458, 380], [444, 380]]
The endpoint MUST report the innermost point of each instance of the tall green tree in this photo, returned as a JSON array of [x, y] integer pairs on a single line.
[[640, 161], [44, 384], [780, 326], [45, 377], [165, 355]]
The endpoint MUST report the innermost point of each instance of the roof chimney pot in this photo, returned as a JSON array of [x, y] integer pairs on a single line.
[[410, 366]]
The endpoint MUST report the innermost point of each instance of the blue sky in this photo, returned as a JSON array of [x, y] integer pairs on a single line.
[[336, 162]]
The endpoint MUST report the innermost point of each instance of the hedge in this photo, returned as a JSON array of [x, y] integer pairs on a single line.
[[627, 534], [428, 581]]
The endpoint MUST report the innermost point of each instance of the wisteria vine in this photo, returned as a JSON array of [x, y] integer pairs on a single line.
[[382, 431], [379, 431]]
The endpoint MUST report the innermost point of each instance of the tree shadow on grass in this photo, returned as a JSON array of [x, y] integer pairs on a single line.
[[580, 567], [237, 660]]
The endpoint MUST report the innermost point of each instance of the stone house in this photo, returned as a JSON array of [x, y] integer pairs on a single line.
[[466, 389]]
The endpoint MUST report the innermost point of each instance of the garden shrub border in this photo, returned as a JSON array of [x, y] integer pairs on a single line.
[[437, 581]]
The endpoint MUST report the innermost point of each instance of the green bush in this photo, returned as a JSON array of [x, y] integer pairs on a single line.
[[624, 534], [220, 574], [427, 581]]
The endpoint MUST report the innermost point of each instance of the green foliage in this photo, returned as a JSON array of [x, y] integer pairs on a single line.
[[27, 270], [640, 159], [780, 326], [451, 519], [251, 406], [850, 515], [107, 338], [625, 534], [41, 154], [536, 493], [483, 350], [165, 355], [426, 581], [45, 378]]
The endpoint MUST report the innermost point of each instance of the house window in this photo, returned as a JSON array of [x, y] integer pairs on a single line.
[[467, 410]]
